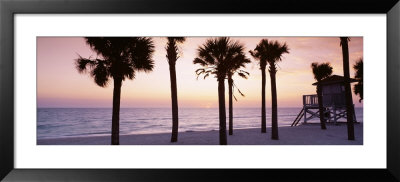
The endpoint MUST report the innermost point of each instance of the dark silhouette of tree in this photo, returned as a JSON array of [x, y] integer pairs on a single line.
[[235, 65], [269, 52], [216, 57], [118, 58], [260, 54], [172, 56], [358, 87], [349, 103], [321, 71]]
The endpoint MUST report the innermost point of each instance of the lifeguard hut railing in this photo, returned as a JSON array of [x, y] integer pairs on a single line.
[[329, 100], [310, 100]]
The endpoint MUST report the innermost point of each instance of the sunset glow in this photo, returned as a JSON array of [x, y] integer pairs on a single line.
[[60, 85]]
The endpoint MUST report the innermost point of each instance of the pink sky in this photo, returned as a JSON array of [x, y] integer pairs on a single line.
[[60, 85]]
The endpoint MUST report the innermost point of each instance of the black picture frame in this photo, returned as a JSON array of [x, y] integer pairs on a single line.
[[9, 8]]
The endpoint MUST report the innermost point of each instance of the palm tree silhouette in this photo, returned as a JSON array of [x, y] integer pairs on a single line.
[[349, 104], [358, 87], [269, 52], [320, 72], [235, 66], [216, 57], [172, 56], [117, 58]]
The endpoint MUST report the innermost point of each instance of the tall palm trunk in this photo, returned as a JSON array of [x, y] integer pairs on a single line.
[[174, 98], [222, 112], [172, 57], [115, 112], [272, 73], [263, 112], [230, 84], [347, 88], [321, 107]]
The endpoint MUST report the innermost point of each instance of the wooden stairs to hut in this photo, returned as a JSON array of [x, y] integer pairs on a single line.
[[298, 118]]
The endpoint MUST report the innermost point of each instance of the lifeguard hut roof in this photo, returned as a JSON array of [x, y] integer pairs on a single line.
[[333, 79]]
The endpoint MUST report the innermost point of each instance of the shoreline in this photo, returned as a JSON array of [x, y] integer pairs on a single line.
[[305, 134]]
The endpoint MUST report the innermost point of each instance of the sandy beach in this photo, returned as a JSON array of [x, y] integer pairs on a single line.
[[306, 134]]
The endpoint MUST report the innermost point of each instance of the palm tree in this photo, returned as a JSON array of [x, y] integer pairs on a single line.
[[260, 54], [358, 87], [321, 71], [118, 58], [349, 103], [172, 56], [235, 65], [269, 52], [215, 56]]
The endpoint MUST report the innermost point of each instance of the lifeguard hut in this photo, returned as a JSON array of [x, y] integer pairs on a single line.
[[333, 98]]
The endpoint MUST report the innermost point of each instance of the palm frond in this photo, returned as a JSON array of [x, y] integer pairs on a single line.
[[176, 39], [358, 87], [237, 88], [269, 52], [233, 91], [321, 71], [245, 72], [242, 75], [207, 55], [121, 57], [84, 64], [200, 61], [200, 71], [220, 56], [100, 74], [205, 71], [206, 75], [172, 49], [358, 68], [141, 53]]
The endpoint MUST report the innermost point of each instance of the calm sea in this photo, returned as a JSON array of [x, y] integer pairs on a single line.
[[69, 122]]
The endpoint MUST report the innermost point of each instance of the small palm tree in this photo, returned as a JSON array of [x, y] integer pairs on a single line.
[[269, 52], [358, 87], [321, 71], [216, 57], [236, 64], [118, 58], [172, 56], [344, 43]]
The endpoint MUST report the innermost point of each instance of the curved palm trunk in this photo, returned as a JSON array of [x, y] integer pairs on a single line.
[[321, 107], [222, 112], [349, 99], [174, 98], [274, 133], [115, 111], [263, 112], [230, 84]]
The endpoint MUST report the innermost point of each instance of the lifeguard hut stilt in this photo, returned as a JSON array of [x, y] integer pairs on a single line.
[[333, 98]]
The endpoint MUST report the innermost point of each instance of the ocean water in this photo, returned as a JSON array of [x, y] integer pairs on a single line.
[[72, 122]]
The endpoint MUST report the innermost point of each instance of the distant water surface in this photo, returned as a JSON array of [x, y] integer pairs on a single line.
[[70, 122]]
